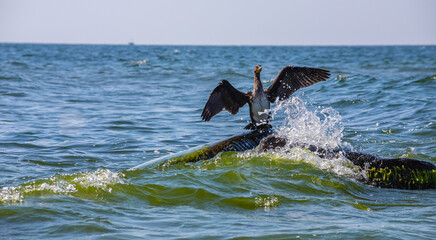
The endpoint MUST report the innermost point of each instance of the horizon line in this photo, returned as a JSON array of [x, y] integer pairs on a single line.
[[227, 45]]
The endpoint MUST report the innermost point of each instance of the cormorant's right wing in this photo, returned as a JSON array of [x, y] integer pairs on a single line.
[[291, 78], [224, 96]]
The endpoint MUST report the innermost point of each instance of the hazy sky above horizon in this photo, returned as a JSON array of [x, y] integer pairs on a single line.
[[224, 22]]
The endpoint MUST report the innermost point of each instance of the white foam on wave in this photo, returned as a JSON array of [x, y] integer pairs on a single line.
[[138, 62], [101, 179]]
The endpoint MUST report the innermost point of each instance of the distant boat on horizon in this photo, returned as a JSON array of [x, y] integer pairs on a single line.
[[131, 43]]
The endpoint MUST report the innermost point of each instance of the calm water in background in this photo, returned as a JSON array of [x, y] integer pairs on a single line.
[[75, 118]]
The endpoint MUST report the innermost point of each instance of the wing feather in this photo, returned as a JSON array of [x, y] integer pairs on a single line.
[[291, 78], [224, 96]]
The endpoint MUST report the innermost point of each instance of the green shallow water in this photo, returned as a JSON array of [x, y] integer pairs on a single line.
[[263, 196], [75, 119]]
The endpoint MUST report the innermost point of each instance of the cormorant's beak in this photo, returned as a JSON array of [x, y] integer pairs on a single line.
[[258, 69]]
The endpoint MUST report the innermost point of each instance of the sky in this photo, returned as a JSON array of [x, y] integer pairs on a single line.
[[220, 22]]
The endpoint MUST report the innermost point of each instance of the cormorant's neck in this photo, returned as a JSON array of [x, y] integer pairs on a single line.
[[257, 83]]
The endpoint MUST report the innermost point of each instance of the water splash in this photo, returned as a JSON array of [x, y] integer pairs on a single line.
[[321, 127], [102, 179]]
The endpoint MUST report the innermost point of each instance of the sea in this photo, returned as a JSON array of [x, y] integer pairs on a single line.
[[77, 120]]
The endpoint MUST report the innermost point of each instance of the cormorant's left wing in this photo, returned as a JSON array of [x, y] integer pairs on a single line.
[[291, 78], [224, 96]]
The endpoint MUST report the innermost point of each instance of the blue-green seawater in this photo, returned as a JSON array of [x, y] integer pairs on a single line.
[[75, 118]]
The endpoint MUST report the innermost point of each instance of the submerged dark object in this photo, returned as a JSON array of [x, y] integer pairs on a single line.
[[402, 173], [289, 80]]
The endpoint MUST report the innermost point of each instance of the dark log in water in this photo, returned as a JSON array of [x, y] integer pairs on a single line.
[[235, 144], [402, 173]]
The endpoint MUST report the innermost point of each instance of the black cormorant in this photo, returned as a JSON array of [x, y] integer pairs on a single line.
[[289, 80]]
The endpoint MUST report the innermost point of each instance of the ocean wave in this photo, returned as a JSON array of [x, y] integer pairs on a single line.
[[14, 77], [19, 64], [94, 181], [428, 79], [249, 180]]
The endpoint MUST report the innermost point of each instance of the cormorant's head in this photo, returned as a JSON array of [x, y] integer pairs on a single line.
[[258, 68]]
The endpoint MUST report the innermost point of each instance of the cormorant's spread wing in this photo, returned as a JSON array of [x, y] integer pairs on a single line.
[[224, 96], [291, 78]]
